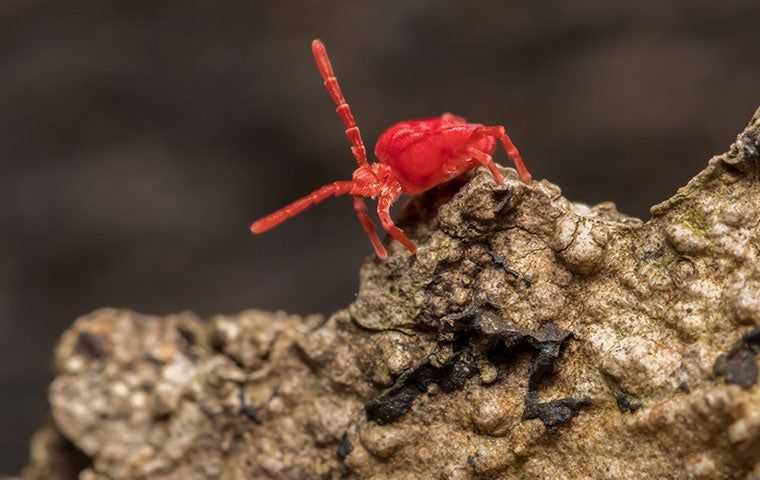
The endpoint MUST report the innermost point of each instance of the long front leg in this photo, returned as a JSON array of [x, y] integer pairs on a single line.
[[360, 207], [389, 195], [334, 189]]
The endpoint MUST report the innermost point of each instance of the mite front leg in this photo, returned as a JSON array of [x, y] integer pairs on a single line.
[[369, 228], [384, 203], [334, 189]]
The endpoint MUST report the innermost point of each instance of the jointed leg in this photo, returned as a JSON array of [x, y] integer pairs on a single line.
[[487, 161], [369, 228], [510, 149], [341, 105], [384, 212], [333, 189]]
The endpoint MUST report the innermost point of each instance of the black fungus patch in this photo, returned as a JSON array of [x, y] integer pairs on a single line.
[[554, 412], [456, 374], [738, 365], [395, 401], [548, 344], [344, 447], [481, 322]]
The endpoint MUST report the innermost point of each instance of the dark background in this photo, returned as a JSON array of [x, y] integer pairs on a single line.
[[139, 138]]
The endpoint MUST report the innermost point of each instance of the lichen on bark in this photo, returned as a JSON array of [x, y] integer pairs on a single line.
[[530, 337]]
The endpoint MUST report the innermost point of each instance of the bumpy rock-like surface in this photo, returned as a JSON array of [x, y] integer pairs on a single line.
[[529, 338]]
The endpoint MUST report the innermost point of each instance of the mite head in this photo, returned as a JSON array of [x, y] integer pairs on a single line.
[[368, 181]]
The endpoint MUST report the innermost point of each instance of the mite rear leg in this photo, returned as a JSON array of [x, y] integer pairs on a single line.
[[500, 133], [384, 203], [360, 207]]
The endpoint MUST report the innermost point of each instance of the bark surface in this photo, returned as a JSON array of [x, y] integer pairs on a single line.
[[530, 338]]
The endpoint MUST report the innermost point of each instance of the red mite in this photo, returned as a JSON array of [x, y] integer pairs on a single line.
[[414, 156]]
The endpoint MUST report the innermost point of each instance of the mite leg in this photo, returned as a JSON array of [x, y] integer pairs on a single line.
[[499, 133], [467, 154], [330, 190], [387, 198], [342, 107], [487, 161], [369, 228]]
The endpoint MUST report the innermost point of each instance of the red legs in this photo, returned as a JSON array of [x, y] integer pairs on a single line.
[[333, 189], [342, 108], [499, 133], [369, 228], [487, 161], [336, 188], [384, 203], [390, 194], [360, 154]]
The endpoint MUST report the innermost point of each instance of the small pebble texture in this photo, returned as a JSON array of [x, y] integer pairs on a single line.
[[139, 138]]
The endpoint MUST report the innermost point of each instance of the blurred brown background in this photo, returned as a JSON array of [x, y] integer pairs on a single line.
[[139, 138]]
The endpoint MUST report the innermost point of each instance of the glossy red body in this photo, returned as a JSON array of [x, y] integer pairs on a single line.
[[427, 152], [414, 156]]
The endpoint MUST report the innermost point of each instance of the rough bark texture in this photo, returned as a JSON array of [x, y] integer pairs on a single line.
[[529, 338]]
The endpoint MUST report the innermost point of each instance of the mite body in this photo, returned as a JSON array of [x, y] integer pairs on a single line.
[[413, 156]]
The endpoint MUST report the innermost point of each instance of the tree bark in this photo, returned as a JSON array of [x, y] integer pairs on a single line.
[[529, 338]]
